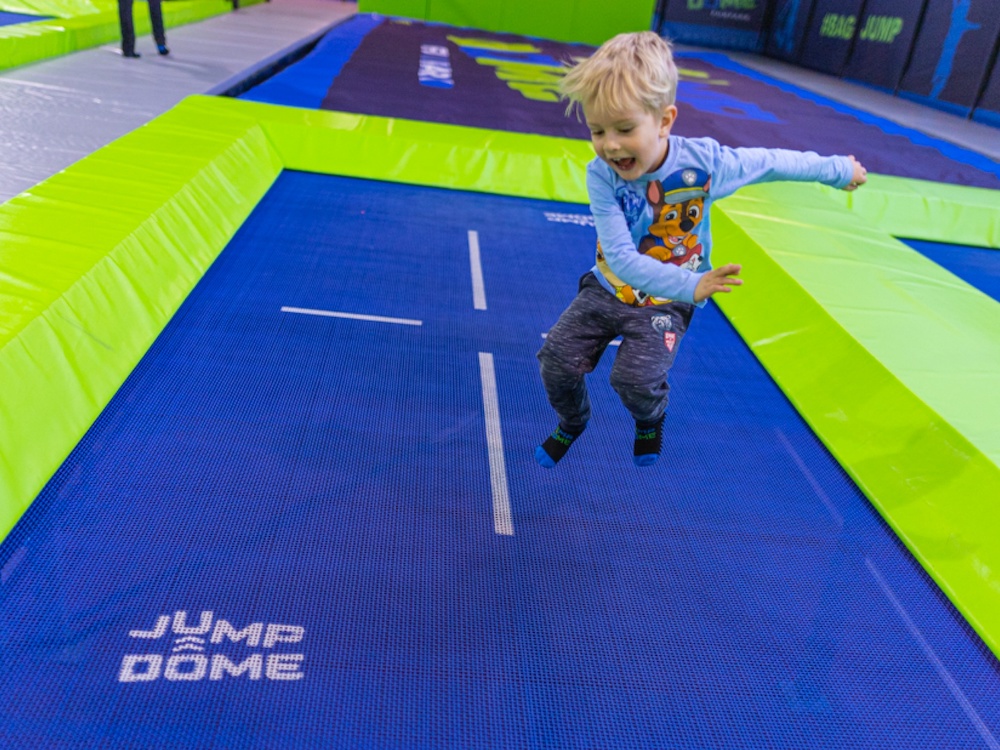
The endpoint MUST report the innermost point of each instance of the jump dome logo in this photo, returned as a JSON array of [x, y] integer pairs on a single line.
[[188, 660]]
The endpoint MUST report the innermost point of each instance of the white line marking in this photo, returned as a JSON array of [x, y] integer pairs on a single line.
[[837, 518], [478, 289], [614, 342], [352, 316], [502, 522], [956, 691]]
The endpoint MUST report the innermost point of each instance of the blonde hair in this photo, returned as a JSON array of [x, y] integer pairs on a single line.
[[635, 69]]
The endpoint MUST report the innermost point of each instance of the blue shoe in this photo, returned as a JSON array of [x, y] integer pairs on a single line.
[[162, 49]]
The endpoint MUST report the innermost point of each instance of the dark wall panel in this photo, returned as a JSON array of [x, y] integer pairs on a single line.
[[952, 54], [830, 35], [788, 28], [885, 37], [733, 24], [988, 110]]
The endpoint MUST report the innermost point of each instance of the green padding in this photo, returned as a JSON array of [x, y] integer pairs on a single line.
[[587, 21], [931, 211], [420, 153], [25, 43], [58, 8], [892, 361], [80, 308]]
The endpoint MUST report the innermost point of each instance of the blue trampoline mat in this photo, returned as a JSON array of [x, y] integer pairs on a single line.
[[318, 488], [977, 266]]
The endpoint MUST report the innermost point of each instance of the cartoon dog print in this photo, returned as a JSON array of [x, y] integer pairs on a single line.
[[677, 213]]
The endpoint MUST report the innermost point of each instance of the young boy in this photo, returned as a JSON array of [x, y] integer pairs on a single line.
[[650, 194]]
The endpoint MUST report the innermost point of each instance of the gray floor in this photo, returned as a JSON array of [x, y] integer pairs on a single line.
[[53, 113], [56, 112]]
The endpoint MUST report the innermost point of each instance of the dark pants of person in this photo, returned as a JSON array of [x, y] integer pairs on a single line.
[[650, 338], [128, 30]]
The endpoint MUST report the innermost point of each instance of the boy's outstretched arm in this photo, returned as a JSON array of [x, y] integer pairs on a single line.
[[720, 279], [860, 176]]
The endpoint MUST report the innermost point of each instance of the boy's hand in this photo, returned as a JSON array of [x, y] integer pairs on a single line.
[[860, 176], [719, 279]]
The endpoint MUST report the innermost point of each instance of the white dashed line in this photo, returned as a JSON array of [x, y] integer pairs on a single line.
[[502, 522], [837, 518], [478, 289], [352, 316], [956, 691]]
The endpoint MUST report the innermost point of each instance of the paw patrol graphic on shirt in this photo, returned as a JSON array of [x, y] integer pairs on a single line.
[[678, 204], [678, 208]]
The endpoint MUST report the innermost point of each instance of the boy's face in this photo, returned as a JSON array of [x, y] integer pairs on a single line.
[[633, 142]]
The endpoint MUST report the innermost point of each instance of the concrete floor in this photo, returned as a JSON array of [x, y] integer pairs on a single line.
[[57, 111]]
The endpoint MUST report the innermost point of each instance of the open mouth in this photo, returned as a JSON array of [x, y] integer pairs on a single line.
[[624, 164]]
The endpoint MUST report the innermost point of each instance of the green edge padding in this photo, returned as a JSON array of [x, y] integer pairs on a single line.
[[25, 43], [421, 153], [925, 471], [80, 308], [58, 8], [892, 361], [931, 211]]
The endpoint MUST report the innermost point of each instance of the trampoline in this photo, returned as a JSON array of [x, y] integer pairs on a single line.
[[332, 475]]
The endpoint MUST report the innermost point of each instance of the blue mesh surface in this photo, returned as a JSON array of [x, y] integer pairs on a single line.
[[9, 19], [332, 475], [978, 266]]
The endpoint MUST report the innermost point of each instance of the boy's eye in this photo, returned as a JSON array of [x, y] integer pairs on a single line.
[[624, 130]]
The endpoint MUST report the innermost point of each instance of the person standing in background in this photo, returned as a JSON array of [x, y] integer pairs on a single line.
[[128, 30]]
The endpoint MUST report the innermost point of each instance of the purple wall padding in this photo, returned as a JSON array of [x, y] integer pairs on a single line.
[[419, 71]]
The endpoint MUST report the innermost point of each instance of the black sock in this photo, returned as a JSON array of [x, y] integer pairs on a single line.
[[555, 446], [648, 442]]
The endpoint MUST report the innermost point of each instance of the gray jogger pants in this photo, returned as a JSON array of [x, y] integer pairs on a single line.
[[650, 338]]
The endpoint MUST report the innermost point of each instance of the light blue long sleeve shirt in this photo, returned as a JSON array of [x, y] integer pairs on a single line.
[[654, 239]]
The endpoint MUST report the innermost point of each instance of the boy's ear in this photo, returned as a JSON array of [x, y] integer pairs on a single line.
[[668, 119]]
